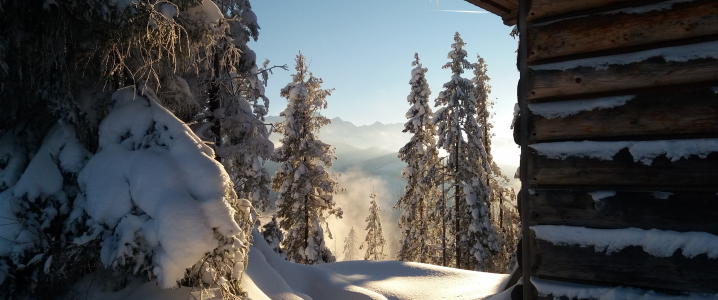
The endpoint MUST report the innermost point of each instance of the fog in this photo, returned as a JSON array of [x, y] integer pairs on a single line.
[[354, 201]]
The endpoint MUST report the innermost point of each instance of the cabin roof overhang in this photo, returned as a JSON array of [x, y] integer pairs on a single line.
[[506, 9]]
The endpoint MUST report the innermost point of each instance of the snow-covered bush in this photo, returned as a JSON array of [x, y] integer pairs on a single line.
[[159, 200], [59, 63]]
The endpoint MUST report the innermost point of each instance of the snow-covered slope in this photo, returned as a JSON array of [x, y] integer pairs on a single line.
[[270, 277]]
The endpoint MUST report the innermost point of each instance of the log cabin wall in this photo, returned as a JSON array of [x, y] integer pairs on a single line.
[[623, 131]]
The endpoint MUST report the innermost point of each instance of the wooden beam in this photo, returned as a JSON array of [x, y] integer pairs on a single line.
[[651, 114], [662, 174], [630, 266], [549, 8], [666, 211], [652, 73], [610, 31]]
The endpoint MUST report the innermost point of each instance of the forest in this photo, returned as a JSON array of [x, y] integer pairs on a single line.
[[134, 144]]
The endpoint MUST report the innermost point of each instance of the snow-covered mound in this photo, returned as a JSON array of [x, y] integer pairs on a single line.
[[269, 277]]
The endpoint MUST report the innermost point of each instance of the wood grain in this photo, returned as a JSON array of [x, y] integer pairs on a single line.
[[679, 212], [600, 32], [663, 113], [549, 8], [617, 79], [630, 266], [662, 174]]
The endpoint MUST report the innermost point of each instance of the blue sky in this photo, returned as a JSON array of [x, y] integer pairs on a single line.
[[364, 50]]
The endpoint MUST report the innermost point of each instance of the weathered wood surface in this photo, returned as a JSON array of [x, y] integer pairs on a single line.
[[662, 174], [549, 8], [616, 79], [498, 7], [652, 114], [630, 266], [679, 212], [609, 31]]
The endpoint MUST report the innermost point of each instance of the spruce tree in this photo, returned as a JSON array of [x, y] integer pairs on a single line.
[[274, 236], [503, 212], [462, 138], [305, 187], [374, 241], [420, 236], [350, 245]]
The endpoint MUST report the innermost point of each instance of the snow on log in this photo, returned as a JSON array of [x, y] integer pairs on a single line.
[[655, 68], [651, 259], [640, 26], [659, 243], [680, 211], [566, 108], [654, 114], [643, 152], [548, 289]]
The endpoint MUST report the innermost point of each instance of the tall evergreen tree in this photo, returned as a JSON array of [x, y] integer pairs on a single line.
[[420, 236], [503, 212], [374, 241], [350, 245], [460, 135], [305, 187]]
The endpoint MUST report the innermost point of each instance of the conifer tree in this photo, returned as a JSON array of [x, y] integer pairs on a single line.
[[503, 212], [350, 245], [374, 241], [460, 135], [419, 234], [274, 236], [305, 187]]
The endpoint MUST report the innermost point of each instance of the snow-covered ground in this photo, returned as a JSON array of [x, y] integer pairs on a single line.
[[269, 277]]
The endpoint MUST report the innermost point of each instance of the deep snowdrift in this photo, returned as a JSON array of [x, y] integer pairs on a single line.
[[270, 277]]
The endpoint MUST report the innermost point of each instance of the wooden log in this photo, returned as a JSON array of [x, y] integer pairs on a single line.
[[652, 114], [600, 32], [630, 266], [620, 79], [622, 171], [548, 8], [679, 211]]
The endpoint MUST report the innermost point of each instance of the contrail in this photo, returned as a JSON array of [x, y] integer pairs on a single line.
[[465, 11]]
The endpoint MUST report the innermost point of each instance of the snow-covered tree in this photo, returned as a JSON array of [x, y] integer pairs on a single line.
[[462, 138], [374, 241], [69, 66], [420, 236], [350, 245], [305, 187], [503, 212], [274, 236]]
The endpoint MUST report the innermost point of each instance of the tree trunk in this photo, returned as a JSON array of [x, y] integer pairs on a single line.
[[456, 203], [214, 105]]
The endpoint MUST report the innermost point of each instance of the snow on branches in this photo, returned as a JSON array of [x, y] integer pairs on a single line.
[[158, 198], [462, 138], [374, 241], [419, 236], [304, 185]]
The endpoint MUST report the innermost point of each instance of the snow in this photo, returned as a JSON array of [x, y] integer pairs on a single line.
[[659, 243], [268, 276], [661, 195], [644, 151], [669, 54], [156, 186], [598, 195], [580, 291], [567, 108]]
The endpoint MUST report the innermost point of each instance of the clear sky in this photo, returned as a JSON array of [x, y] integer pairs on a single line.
[[364, 49]]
